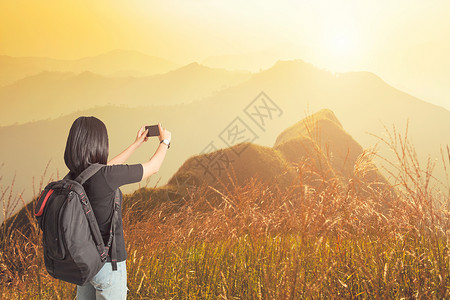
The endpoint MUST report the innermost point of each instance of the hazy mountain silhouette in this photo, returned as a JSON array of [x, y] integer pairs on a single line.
[[116, 62], [51, 94], [258, 60], [422, 69], [183, 85], [248, 61]]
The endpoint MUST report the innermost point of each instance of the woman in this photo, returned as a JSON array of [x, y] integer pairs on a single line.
[[87, 144]]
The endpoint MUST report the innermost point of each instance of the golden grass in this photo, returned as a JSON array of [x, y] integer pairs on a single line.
[[254, 240]]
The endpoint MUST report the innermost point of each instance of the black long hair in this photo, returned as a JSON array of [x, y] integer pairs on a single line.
[[87, 144]]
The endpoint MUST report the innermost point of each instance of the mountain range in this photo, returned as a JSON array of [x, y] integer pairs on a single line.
[[50, 94], [113, 63], [265, 103]]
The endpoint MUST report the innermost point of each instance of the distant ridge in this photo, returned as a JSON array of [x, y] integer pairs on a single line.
[[110, 63]]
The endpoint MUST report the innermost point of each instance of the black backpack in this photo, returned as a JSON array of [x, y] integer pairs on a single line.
[[73, 246]]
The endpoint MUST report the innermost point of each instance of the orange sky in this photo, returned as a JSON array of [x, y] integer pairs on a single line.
[[405, 42]]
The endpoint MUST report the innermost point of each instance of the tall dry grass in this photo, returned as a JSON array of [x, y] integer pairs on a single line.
[[258, 241]]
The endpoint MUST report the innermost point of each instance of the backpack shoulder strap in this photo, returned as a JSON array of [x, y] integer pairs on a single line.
[[114, 222], [88, 173]]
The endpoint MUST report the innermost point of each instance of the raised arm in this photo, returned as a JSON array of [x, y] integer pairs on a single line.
[[152, 166], [154, 163]]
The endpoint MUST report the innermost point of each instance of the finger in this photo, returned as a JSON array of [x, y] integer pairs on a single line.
[[143, 134]]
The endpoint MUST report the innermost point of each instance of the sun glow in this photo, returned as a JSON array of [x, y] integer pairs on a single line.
[[342, 50], [342, 45]]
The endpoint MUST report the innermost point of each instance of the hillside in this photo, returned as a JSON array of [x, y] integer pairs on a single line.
[[318, 141], [235, 165]]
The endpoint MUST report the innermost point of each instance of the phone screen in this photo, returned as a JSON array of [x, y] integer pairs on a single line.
[[153, 130]]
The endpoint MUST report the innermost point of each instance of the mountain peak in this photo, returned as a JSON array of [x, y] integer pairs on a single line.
[[193, 66], [289, 63], [88, 75], [308, 125], [320, 138], [287, 71], [197, 68]]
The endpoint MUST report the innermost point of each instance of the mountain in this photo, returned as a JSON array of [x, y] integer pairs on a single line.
[[115, 62], [51, 94], [183, 85], [313, 151], [256, 61], [320, 138], [323, 131], [248, 61], [365, 104]]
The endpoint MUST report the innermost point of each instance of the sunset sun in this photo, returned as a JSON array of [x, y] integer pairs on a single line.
[[342, 45], [342, 49]]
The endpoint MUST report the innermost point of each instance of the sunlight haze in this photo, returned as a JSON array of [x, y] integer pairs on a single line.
[[336, 35]]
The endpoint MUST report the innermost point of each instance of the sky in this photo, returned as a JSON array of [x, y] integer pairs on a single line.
[[404, 42]]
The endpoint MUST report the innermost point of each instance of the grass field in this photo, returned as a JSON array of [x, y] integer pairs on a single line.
[[256, 241]]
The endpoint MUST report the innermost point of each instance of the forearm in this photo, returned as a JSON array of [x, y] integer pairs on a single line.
[[124, 155], [152, 166]]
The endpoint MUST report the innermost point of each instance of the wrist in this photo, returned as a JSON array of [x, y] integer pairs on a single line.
[[165, 142]]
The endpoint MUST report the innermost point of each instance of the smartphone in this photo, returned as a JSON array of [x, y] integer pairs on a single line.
[[153, 130]]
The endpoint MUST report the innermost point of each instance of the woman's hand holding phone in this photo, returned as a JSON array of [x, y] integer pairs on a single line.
[[156, 130], [141, 136], [152, 166]]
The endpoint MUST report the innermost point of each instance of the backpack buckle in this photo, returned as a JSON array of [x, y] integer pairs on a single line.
[[83, 200]]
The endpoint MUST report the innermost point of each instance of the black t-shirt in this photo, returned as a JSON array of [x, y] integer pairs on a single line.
[[100, 189]]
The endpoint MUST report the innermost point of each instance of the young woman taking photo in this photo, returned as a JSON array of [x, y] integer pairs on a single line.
[[88, 144]]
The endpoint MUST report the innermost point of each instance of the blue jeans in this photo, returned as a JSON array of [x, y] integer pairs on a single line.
[[106, 284]]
